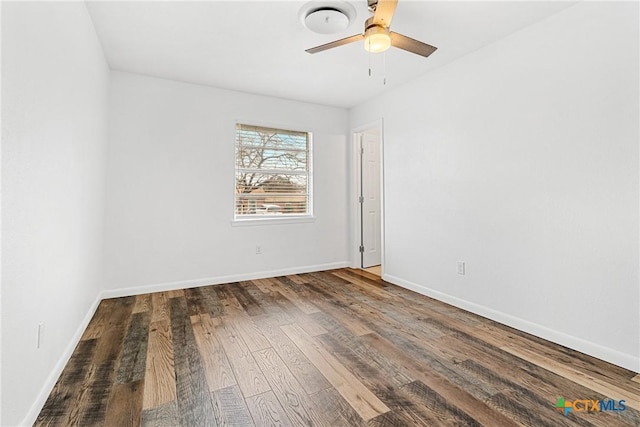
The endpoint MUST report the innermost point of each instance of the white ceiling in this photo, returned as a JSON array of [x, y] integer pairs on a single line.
[[259, 46]]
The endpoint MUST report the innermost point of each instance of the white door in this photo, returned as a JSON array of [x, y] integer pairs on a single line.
[[371, 228]]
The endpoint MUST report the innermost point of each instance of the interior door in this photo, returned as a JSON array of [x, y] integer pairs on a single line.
[[371, 227]]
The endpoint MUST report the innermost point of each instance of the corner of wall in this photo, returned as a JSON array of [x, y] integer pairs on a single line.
[[51, 380]]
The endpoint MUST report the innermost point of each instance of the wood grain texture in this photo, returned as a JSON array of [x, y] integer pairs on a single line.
[[125, 404], [161, 416], [354, 281], [296, 294], [359, 397], [351, 323], [160, 307], [99, 320], [132, 361], [437, 406], [175, 293], [248, 302], [286, 388], [249, 332], [267, 411], [143, 303], [91, 408], [213, 304], [404, 416], [248, 375], [297, 279], [590, 381], [66, 389], [333, 348], [304, 371], [335, 410], [229, 408], [195, 301], [439, 382], [216, 365], [160, 380], [192, 393], [293, 311], [352, 350]]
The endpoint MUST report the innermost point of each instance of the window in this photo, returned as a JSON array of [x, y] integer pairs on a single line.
[[273, 176]]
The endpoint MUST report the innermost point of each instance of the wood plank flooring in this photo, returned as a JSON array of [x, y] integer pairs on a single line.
[[334, 348], [376, 270]]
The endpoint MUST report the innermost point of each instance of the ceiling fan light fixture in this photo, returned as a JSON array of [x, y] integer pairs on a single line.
[[377, 39]]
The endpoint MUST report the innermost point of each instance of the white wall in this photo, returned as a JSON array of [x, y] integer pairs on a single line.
[[54, 106], [171, 182], [521, 159]]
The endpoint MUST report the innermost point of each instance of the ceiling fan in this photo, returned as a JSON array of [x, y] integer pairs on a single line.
[[377, 36]]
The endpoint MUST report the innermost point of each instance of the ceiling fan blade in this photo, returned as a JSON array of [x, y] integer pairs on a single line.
[[411, 45], [384, 12], [336, 43]]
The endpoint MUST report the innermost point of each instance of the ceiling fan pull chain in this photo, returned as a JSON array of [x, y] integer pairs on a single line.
[[369, 64], [384, 68]]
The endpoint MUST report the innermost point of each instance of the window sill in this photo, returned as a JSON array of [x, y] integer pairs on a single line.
[[272, 221]]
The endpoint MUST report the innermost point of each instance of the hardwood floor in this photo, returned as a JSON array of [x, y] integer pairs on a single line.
[[338, 348], [375, 270]]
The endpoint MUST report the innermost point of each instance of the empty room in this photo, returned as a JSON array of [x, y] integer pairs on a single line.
[[320, 213]]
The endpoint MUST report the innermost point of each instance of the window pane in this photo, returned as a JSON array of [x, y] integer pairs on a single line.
[[262, 183], [271, 171], [268, 204], [267, 158]]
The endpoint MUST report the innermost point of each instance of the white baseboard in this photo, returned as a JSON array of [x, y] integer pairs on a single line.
[[170, 286], [615, 357], [45, 391]]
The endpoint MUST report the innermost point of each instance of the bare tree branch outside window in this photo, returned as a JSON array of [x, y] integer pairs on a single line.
[[272, 171]]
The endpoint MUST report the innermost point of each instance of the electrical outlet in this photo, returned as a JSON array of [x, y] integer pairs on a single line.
[[258, 250], [460, 268], [40, 336]]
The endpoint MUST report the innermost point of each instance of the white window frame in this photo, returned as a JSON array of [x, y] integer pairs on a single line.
[[262, 219]]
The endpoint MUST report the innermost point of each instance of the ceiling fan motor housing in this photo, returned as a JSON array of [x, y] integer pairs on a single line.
[[376, 37]]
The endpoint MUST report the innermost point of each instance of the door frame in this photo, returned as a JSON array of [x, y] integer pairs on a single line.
[[355, 192]]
